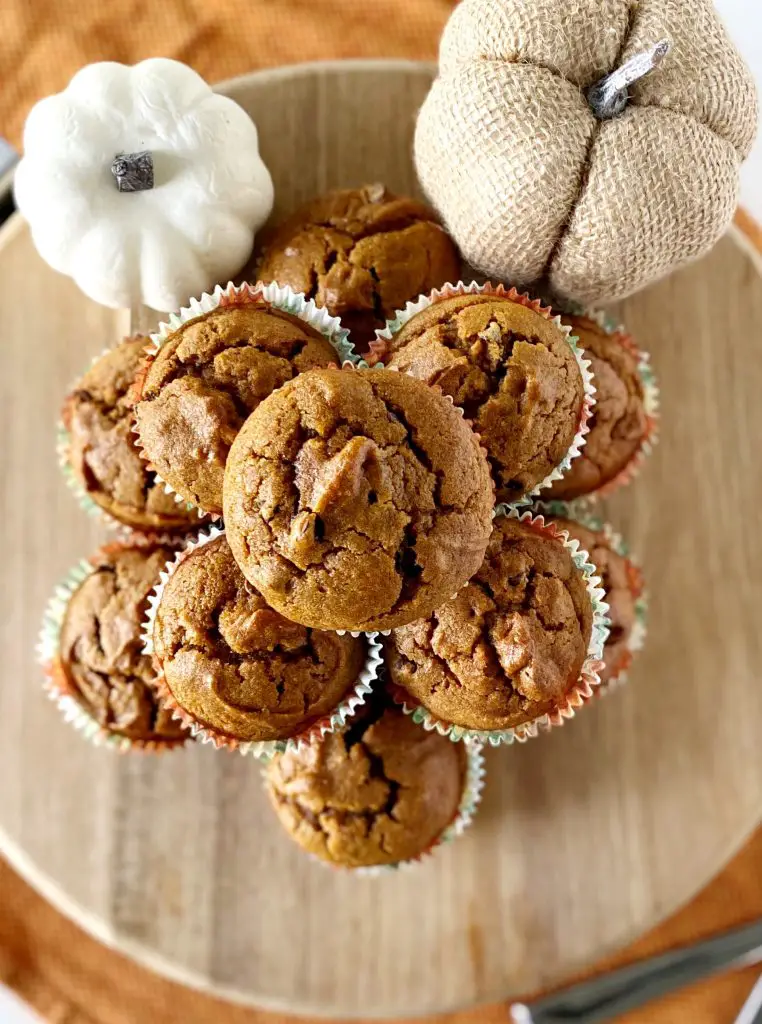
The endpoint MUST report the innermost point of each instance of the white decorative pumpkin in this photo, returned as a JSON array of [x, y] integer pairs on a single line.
[[142, 184]]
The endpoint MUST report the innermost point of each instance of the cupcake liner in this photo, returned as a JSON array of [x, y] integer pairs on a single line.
[[262, 749], [379, 349], [580, 693], [57, 686], [651, 401], [280, 297], [580, 512], [473, 787]]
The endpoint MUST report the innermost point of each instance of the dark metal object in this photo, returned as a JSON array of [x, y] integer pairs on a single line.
[[609, 97], [133, 172], [615, 993]]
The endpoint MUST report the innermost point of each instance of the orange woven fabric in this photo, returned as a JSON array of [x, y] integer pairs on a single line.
[[42, 44]]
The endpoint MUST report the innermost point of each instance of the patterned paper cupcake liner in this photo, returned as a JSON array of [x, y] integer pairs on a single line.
[[262, 749], [473, 787], [279, 297], [580, 512], [580, 693], [380, 347], [56, 684], [651, 400]]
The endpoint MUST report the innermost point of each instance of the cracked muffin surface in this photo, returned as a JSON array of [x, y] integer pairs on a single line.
[[357, 499], [207, 378], [101, 648], [622, 582], [618, 425], [363, 254], [234, 664], [510, 369], [510, 646], [98, 415], [379, 793]]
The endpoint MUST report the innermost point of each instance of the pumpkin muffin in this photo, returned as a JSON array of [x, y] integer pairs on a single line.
[[362, 253], [512, 644], [620, 425], [357, 499], [512, 371], [207, 378], [238, 669], [379, 793], [100, 451], [623, 583], [100, 661]]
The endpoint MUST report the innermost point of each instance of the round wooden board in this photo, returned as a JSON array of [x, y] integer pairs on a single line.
[[587, 836]]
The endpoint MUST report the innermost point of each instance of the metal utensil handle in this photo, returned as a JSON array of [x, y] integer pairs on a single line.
[[751, 1012], [601, 999]]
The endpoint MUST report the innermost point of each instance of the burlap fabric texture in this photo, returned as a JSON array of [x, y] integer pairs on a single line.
[[535, 188]]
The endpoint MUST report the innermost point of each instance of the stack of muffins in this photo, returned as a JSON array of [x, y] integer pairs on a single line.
[[355, 538]]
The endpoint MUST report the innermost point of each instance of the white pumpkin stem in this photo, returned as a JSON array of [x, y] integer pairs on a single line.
[[133, 172], [609, 97]]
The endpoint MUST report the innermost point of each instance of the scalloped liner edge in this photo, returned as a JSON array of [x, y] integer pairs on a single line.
[[264, 750]]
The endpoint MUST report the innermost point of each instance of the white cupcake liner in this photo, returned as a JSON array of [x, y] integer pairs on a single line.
[[651, 399], [578, 695], [264, 750], [473, 787], [56, 685], [279, 297], [580, 512], [448, 291]]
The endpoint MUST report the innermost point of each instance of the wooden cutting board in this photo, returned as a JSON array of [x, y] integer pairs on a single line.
[[587, 837]]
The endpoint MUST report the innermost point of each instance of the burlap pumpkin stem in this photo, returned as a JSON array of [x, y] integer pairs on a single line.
[[558, 166]]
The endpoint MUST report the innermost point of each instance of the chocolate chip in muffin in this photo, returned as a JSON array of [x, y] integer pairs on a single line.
[[363, 254], [357, 499], [510, 646]]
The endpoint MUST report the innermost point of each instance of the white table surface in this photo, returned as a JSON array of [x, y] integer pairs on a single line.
[[744, 19]]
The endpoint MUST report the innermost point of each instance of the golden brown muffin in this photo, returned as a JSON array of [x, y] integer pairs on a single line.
[[619, 424], [101, 449], [357, 499], [238, 668], [380, 793], [510, 646], [623, 584], [510, 369], [101, 661], [363, 254], [207, 378]]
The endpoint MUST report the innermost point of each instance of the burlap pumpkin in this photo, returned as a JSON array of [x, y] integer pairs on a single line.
[[533, 186]]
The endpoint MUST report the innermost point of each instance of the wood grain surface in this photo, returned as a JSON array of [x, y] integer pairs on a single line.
[[587, 837]]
